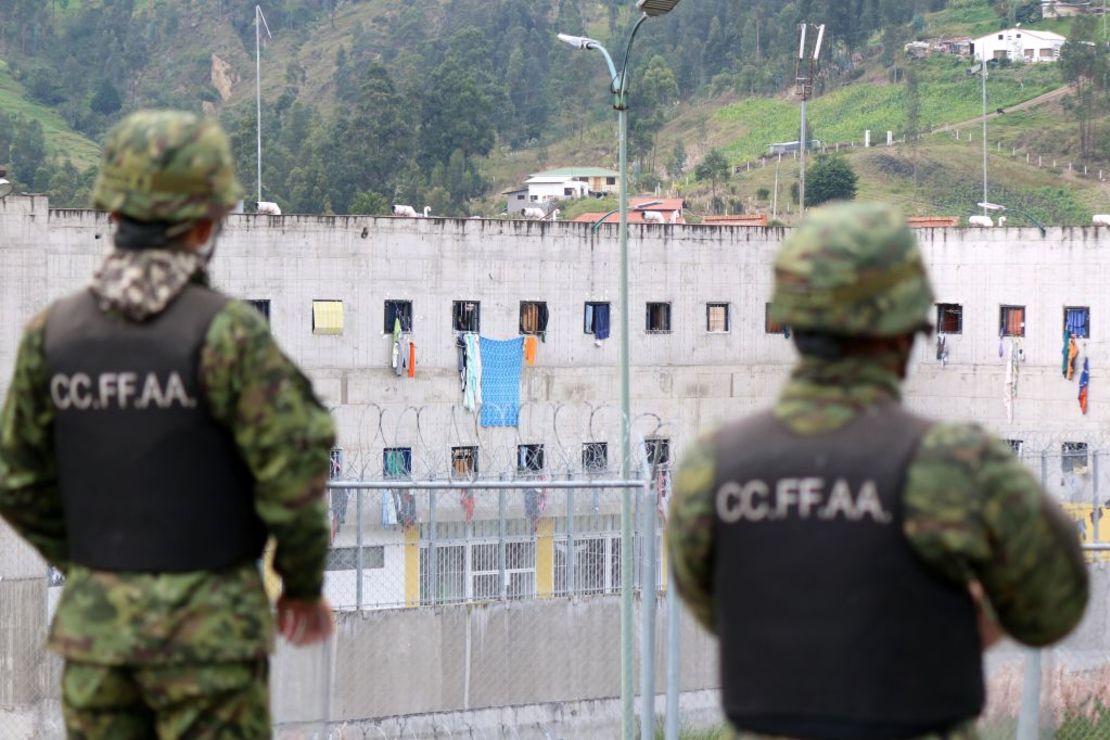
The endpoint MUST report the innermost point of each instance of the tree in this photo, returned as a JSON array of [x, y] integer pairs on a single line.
[[830, 178], [1084, 64], [106, 100], [28, 151], [455, 114], [373, 204], [913, 116], [715, 168], [677, 163]]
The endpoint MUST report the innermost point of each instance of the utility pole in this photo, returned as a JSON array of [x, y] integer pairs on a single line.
[[984, 76], [259, 23], [805, 72]]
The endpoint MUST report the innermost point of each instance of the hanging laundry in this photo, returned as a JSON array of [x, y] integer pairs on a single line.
[[501, 361], [1073, 354], [460, 351], [1009, 390], [530, 345], [1084, 381], [472, 383], [601, 321], [1064, 360], [406, 508], [466, 500], [1001, 334], [396, 360], [412, 359], [389, 509], [942, 349], [535, 502], [662, 493]]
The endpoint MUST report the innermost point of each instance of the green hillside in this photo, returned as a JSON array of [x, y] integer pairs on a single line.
[[62, 142], [446, 103]]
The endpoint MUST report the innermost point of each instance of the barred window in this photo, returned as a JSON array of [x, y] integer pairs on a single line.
[[533, 317], [398, 311], [464, 462], [1012, 321], [658, 318], [346, 558], [716, 318], [529, 458], [1073, 457], [466, 316], [1077, 321], [397, 462], [595, 457], [950, 318]]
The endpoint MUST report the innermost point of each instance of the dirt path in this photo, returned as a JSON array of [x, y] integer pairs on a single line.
[[1048, 97]]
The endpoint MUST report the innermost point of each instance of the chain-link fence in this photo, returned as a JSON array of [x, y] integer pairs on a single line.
[[490, 603], [1062, 691]]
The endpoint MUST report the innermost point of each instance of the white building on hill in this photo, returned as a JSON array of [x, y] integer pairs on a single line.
[[1019, 45]]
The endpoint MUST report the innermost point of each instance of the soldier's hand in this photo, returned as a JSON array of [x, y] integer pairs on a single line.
[[305, 622], [989, 630]]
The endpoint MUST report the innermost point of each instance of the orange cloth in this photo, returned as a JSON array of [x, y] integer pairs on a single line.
[[530, 344], [1073, 352], [412, 359]]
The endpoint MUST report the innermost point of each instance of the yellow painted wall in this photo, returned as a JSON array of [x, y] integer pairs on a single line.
[[412, 566], [1084, 527], [545, 558]]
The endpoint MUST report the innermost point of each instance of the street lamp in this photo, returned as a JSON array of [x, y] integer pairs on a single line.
[[618, 86], [1002, 209]]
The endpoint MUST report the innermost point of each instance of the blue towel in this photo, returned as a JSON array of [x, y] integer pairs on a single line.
[[501, 361], [601, 321]]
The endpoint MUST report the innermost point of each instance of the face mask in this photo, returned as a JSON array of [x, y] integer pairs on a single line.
[[208, 249]]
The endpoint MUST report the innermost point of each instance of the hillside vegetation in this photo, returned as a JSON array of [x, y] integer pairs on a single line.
[[371, 102]]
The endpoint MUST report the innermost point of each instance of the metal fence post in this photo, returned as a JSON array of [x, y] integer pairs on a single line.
[[647, 616], [674, 655], [358, 549], [433, 565], [570, 559], [1096, 508], [1029, 716], [503, 589]]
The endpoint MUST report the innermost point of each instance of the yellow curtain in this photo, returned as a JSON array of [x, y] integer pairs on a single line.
[[327, 317]]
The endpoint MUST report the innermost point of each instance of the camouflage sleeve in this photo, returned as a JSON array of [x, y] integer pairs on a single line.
[[690, 532], [974, 511], [29, 497], [283, 434]]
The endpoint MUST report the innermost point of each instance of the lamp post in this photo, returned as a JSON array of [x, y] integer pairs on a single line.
[[618, 86], [259, 23], [986, 206]]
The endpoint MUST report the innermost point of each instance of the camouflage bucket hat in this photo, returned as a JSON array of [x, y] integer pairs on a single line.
[[167, 166], [852, 270]]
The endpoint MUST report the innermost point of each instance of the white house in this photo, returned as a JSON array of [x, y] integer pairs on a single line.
[[1019, 45], [543, 188]]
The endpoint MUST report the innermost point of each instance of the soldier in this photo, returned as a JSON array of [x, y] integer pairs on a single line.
[[153, 436], [843, 549]]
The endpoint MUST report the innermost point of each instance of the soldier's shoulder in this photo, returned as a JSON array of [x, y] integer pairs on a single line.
[[958, 443]]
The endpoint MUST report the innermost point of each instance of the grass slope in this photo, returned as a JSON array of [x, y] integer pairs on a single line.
[[948, 94], [62, 142], [948, 182]]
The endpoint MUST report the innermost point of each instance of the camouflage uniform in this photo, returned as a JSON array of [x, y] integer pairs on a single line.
[[185, 652], [972, 511]]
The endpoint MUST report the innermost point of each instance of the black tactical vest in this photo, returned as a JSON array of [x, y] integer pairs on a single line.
[[829, 625], [150, 482]]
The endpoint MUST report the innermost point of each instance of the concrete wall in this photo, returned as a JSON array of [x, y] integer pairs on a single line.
[[470, 658], [682, 382]]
